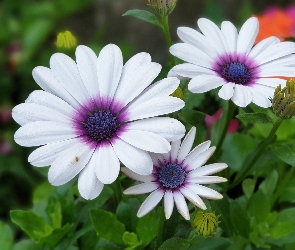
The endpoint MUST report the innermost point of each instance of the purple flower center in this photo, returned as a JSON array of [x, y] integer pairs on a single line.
[[236, 72], [101, 125], [171, 176]]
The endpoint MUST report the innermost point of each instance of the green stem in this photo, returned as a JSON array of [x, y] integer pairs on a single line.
[[255, 155], [222, 127], [165, 28], [282, 185]]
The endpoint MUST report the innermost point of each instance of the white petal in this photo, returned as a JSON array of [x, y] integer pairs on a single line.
[[42, 132], [204, 83], [133, 158], [142, 188], [247, 35], [107, 164], [69, 164], [201, 159], [45, 155], [259, 99], [88, 185], [66, 72], [169, 128], [188, 70], [137, 177], [271, 82], [227, 90], [154, 107], [195, 38], [133, 83], [46, 80], [148, 141], [109, 70], [168, 204], [191, 54], [208, 169], [87, 62], [230, 35], [266, 91], [162, 88], [206, 179], [196, 152], [193, 198], [275, 51], [205, 192], [186, 144], [175, 145], [263, 45], [242, 96], [283, 63], [30, 112], [51, 101], [277, 71], [213, 34], [150, 202], [181, 205]]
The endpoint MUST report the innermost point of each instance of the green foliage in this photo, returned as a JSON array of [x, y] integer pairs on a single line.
[[145, 16], [254, 118], [192, 117]]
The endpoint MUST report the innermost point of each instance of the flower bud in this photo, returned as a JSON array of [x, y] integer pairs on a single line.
[[66, 40], [205, 223], [163, 7], [283, 101]]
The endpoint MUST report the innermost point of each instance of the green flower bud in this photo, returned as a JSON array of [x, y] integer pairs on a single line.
[[163, 7], [66, 40], [283, 102], [205, 223]]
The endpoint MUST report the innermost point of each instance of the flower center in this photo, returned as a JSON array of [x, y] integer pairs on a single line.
[[171, 176], [236, 72], [101, 125]]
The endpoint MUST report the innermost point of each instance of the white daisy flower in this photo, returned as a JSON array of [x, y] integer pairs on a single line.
[[176, 175], [95, 114], [224, 57]]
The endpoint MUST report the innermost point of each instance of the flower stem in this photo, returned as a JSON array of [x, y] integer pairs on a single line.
[[255, 155], [165, 28], [219, 130]]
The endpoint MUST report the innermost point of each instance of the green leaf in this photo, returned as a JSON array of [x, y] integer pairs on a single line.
[[107, 226], [192, 117], [147, 227], [126, 213], [269, 184], [259, 206], [284, 152], [175, 244], [254, 118], [240, 219], [248, 186], [53, 211], [26, 245], [144, 15], [210, 243], [32, 224], [131, 240], [6, 237]]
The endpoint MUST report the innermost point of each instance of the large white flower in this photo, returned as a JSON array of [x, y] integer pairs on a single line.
[[176, 175], [226, 58], [94, 114]]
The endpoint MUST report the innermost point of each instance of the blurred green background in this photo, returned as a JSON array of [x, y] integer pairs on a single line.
[[28, 31]]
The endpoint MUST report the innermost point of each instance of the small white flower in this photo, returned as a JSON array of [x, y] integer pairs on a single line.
[[226, 58], [94, 114], [176, 175]]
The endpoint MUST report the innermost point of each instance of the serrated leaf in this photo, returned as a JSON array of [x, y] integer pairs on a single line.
[[192, 117], [131, 240], [32, 224], [284, 152], [144, 15], [107, 226], [175, 244], [254, 118]]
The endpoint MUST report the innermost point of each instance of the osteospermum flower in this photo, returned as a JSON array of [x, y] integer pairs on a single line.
[[225, 58], [176, 175], [95, 114]]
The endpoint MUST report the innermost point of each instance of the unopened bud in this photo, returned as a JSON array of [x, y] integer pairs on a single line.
[[163, 7], [66, 40], [205, 223]]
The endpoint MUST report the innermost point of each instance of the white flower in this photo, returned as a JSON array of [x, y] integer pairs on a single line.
[[226, 58], [176, 175], [94, 114]]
